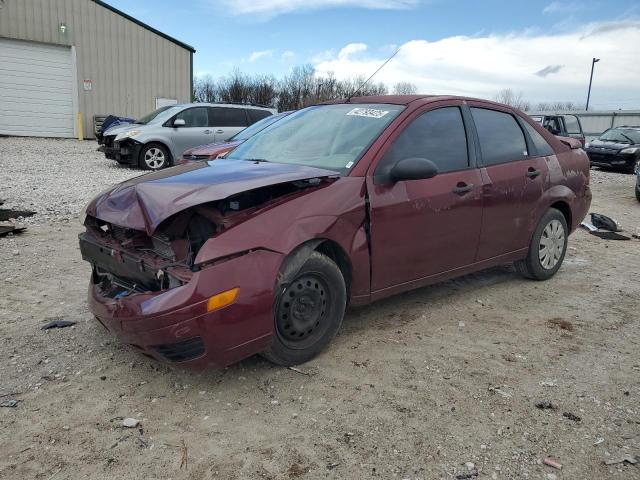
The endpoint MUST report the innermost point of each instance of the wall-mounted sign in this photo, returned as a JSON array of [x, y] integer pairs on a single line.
[[87, 85]]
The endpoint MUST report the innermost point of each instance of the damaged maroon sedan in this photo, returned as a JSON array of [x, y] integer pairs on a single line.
[[207, 263]]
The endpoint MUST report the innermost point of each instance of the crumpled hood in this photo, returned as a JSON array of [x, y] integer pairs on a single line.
[[211, 148], [144, 202]]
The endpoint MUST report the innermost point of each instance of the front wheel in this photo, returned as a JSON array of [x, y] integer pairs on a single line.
[[154, 157], [307, 311], [548, 247]]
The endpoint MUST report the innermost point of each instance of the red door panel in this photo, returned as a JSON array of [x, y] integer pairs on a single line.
[[421, 227]]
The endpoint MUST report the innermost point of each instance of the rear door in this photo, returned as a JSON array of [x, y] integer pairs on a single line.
[[514, 178], [423, 227], [227, 121], [196, 130]]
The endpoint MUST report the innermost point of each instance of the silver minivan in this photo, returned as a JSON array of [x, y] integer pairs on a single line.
[[157, 139]]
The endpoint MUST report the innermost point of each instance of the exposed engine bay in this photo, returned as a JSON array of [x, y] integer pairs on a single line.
[[129, 261]]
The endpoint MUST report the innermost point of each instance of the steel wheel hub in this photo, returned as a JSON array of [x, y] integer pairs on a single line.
[[302, 309], [551, 244]]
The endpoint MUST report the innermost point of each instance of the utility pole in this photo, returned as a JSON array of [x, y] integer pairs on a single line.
[[593, 63]]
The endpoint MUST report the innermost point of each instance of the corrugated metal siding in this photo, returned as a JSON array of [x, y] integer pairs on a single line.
[[129, 66]]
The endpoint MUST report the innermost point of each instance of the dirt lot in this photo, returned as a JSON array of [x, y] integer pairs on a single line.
[[419, 386]]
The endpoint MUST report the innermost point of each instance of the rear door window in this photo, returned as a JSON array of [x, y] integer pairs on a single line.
[[542, 147], [227, 117], [255, 114], [501, 138], [437, 135], [571, 122], [194, 117]]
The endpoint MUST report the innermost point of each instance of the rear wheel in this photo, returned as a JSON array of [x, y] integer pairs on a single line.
[[638, 192], [308, 311], [154, 157], [547, 249]]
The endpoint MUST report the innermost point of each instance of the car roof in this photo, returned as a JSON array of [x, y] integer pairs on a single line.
[[232, 105], [407, 99]]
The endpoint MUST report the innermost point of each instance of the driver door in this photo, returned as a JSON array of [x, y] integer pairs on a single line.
[[195, 132], [421, 228]]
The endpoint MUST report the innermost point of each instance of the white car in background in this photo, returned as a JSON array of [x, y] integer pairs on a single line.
[[156, 140]]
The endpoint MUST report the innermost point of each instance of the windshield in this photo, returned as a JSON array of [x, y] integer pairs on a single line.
[[324, 136], [258, 126], [151, 116], [621, 135]]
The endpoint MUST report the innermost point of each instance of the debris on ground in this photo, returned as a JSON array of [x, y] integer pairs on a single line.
[[548, 384], [500, 391], [624, 458], [545, 405], [605, 223], [10, 214], [9, 403], [301, 372], [587, 226], [598, 441], [130, 422], [571, 416], [10, 229], [552, 463], [58, 324], [333, 465], [610, 235], [561, 323]]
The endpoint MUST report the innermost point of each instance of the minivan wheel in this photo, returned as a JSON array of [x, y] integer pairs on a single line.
[[547, 249], [154, 157], [308, 312]]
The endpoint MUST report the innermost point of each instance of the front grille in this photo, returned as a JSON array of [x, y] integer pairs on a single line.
[[181, 351], [108, 140]]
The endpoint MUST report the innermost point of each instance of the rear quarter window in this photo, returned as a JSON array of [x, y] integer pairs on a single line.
[[227, 117], [501, 138], [542, 147], [255, 114]]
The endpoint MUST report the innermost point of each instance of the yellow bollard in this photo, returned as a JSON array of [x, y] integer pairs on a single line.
[[80, 127]]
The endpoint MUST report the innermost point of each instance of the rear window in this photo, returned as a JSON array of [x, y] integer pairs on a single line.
[[571, 122], [227, 117], [501, 138], [255, 114], [542, 147]]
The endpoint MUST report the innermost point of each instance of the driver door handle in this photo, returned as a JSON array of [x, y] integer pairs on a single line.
[[207, 132], [532, 172], [463, 188]]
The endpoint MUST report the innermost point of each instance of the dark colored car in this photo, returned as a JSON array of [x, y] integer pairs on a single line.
[[618, 147], [218, 149], [638, 181], [207, 263]]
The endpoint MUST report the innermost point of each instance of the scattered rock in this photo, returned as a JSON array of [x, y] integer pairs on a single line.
[[9, 403], [571, 416], [561, 323], [545, 405], [621, 459], [130, 422], [552, 463]]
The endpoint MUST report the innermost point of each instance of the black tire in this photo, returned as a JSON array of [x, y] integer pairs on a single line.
[[308, 311], [532, 266], [156, 151], [638, 193]]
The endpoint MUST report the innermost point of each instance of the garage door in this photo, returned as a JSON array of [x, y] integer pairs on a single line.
[[36, 89]]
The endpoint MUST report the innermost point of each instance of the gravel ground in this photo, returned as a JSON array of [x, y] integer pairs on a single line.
[[54, 177], [441, 382]]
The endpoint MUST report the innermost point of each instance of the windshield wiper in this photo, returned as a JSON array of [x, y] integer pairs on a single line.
[[256, 160], [628, 138]]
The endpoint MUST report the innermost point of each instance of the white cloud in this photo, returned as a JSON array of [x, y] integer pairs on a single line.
[[260, 54], [563, 7], [481, 66], [272, 8], [350, 50], [288, 55]]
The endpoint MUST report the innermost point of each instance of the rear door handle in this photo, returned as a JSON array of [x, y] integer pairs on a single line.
[[462, 188], [532, 172], [219, 131]]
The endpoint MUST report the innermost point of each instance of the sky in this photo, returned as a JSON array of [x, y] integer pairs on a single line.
[[541, 48]]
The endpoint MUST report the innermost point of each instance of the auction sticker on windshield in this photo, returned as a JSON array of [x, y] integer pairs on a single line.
[[367, 112]]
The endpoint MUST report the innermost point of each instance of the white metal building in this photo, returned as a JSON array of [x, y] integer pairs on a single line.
[[61, 57]]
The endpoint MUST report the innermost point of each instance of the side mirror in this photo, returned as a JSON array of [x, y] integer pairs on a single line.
[[413, 169], [179, 122]]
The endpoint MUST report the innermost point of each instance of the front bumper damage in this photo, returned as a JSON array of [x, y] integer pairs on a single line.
[[126, 151], [171, 322], [611, 159]]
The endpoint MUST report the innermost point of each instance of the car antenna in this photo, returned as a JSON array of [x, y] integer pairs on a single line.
[[372, 75]]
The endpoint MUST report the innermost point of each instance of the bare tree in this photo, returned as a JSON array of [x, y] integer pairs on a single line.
[[556, 106], [508, 97], [405, 88], [204, 89]]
